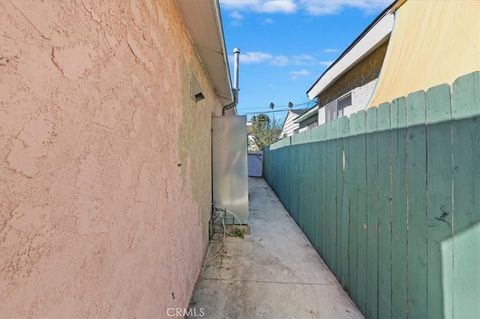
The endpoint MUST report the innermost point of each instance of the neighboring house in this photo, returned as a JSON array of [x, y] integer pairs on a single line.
[[432, 43], [348, 84], [106, 138], [307, 120], [289, 125], [367, 74], [252, 146]]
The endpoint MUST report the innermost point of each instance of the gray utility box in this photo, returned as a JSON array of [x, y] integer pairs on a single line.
[[229, 166]]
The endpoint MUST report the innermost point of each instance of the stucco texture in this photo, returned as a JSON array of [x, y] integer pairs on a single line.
[[105, 174]]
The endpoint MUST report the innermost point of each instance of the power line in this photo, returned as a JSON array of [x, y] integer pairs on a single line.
[[256, 111], [264, 112], [277, 106]]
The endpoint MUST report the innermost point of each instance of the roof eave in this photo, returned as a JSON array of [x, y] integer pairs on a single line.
[[204, 24], [377, 33], [307, 114]]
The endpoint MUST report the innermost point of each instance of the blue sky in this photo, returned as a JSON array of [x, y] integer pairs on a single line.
[[287, 44]]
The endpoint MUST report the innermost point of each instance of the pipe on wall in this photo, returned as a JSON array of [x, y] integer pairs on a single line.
[[236, 62]]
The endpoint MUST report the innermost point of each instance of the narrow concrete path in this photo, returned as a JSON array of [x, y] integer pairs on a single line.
[[272, 273]]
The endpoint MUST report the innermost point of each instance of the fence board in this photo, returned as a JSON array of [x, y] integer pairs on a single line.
[[416, 183], [466, 161], [439, 198], [324, 195], [345, 128], [311, 190], [302, 209], [360, 185], [399, 209], [384, 212], [370, 224], [321, 182], [339, 196], [316, 197], [332, 194], [353, 204]]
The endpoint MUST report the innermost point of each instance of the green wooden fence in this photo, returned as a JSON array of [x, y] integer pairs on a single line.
[[390, 198]]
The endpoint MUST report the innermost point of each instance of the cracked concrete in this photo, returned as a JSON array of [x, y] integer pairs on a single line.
[[272, 273]]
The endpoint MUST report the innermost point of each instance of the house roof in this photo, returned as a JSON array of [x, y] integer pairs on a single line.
[[308, 114], [377, 33], [204, 23], [298, 111]]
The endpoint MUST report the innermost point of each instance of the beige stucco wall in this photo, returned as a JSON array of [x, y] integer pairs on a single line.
[[105, 176]]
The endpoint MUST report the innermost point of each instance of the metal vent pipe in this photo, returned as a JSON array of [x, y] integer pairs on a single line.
[[236, 62], [235, 89]]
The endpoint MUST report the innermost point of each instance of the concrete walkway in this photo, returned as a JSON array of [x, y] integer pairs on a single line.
[[272, 273]]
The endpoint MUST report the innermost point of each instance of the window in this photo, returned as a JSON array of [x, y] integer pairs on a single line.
[[331, 111], [336, 109], [342, 103]]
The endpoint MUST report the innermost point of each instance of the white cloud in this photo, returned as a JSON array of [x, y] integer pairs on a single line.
[[254, 57], [236, 15], [330, 50], [268, 21], [237, 18], [287, 6], [311, 7], [303, 59], [280, 60], [257, 57], [327, 7], [299, 73], [326, 63], [261, 6]]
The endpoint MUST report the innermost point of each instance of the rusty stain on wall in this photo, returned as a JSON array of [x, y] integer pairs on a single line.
[[97, 219]]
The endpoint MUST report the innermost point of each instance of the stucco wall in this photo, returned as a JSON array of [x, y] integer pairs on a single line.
[[360, 97], [362, 73], [105, 176]]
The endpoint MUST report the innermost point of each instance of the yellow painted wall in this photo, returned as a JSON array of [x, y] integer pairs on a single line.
[[433, 42]]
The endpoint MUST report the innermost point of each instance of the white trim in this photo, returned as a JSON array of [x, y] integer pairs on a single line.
[[306, 115], [204, 24], [375, 37], [385, 61]]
